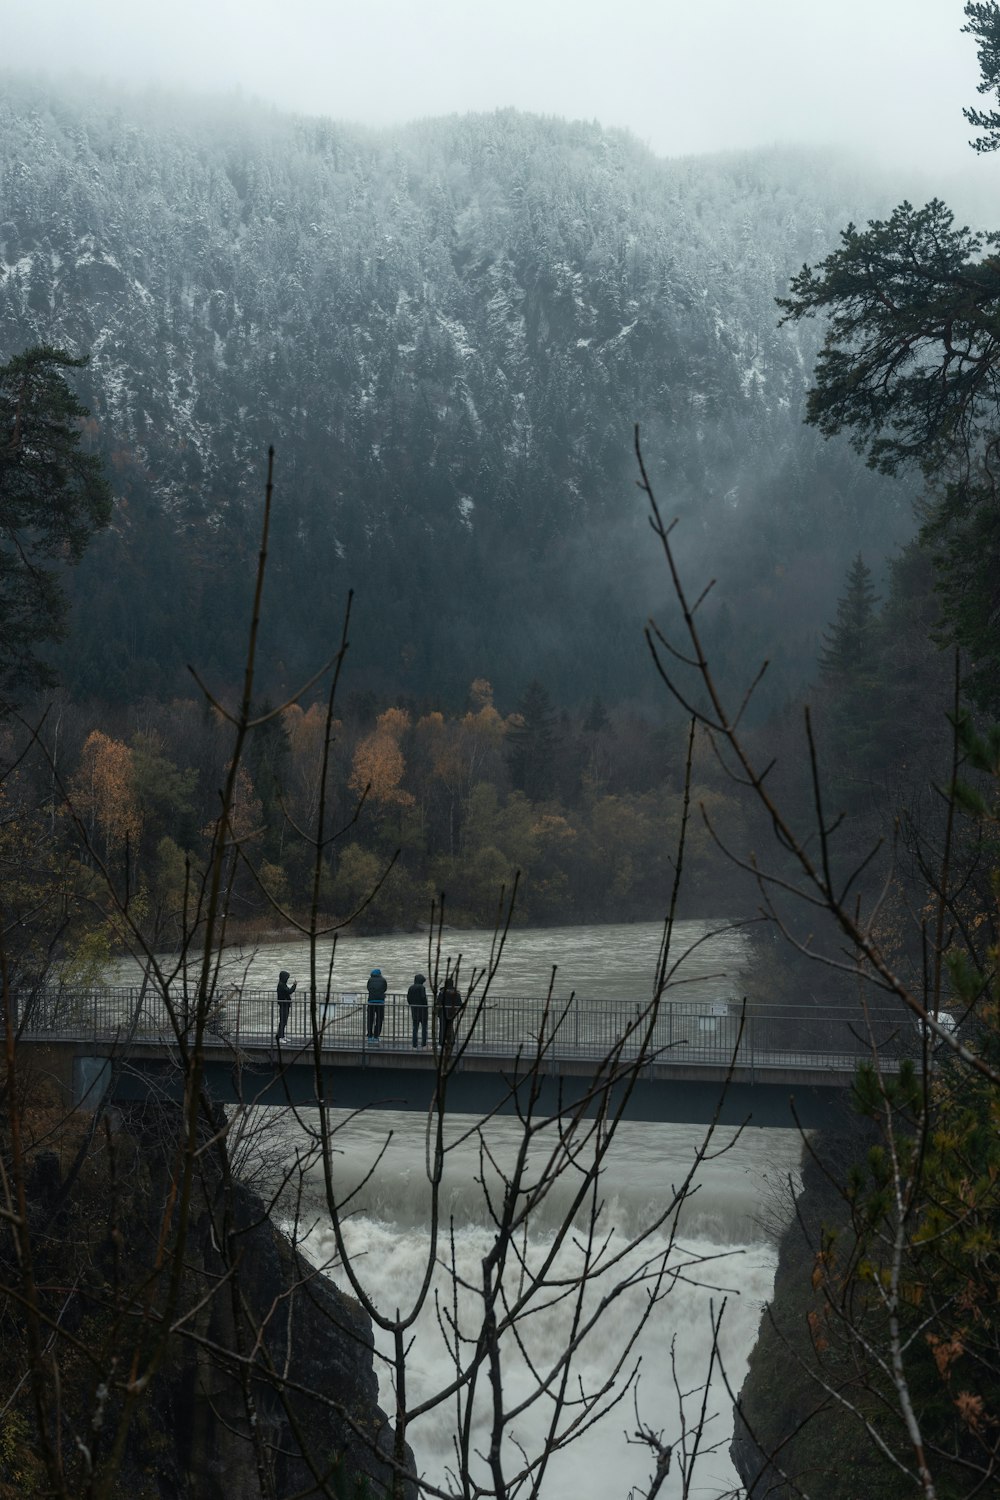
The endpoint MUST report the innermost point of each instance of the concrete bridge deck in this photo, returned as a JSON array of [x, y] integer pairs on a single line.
[[768, 1065]]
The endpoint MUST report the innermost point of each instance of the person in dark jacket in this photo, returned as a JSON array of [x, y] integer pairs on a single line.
[[449, 1006], [416, 999], [377, 987], [284, 1002]]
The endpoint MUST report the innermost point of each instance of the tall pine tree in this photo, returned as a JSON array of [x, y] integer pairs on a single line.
[[53, 496], [849, 645], [849, 669]]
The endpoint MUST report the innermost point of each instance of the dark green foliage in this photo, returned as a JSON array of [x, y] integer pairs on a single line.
[[596, 718], [984, 24], [532, 744], [849, 646], [52, 498], [854, 687], [910, 368], [909, 360], [883, 696], [962, 534]]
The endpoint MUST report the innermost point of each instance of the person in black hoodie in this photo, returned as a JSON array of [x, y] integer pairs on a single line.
[[416, 998], [450, 1007], [284, 1002]]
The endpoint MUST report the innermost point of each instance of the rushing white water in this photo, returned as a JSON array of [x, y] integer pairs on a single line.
[[723, 1249]]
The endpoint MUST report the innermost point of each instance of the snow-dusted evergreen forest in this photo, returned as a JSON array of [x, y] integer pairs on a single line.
[[448, 332]]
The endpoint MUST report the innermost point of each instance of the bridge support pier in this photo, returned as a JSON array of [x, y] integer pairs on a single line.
[[91, 1081]]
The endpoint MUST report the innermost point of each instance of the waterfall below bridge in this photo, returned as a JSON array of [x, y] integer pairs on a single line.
[[723, 1248]]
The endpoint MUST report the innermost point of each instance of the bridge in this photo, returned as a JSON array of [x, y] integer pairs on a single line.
[[762, 1065]]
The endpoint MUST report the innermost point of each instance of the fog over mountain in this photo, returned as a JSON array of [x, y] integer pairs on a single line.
[[447, 331]]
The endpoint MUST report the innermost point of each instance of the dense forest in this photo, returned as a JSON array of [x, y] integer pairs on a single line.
[[448, 332]]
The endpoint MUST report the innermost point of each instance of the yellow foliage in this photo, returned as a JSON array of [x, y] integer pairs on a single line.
[[379, 766], [394, 723], [554, 828], [305, 731], [481, 692], [103, 791]]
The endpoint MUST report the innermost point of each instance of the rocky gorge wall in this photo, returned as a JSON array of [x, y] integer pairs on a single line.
[[789, 1437], [262, 1379]]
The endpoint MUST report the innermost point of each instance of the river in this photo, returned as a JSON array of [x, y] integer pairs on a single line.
[[616, 960], [724, 1237], [724, 1244]]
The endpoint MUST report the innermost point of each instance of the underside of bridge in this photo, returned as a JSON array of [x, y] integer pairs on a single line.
[[479, 1085]]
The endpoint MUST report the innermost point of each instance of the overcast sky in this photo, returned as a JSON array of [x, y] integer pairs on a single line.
[[890, 76]]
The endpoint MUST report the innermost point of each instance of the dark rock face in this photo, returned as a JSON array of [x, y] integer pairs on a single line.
[[313, 1387], [757, 1473], [262, 1374], [784, 1441]]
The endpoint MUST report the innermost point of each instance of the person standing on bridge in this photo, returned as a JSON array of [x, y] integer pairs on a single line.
[[416, 998], [449, 1008], [284, 1002], [377, 987]]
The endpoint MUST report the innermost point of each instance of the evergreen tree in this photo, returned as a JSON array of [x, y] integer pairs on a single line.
[[849, 664], [596, 718], [910, 368], [52, 498], [531, 741], [984, 25], [849, 645]]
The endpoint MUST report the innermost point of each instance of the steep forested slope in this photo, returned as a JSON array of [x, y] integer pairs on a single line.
[[448, 332]]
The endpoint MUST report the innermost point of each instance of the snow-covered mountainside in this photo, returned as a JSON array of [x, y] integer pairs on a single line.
[[448, 332]]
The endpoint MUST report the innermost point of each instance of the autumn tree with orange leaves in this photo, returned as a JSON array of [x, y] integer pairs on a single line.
[[103, 794], [379, 764]]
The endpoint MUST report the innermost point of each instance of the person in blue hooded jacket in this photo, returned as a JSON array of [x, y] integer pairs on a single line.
[[377, 987]]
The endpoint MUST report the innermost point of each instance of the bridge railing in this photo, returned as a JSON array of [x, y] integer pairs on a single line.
[[683, 1030]]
